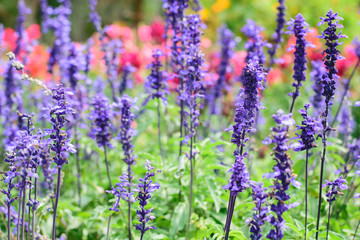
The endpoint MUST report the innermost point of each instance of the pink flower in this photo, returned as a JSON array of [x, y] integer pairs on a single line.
[[9, 39], [33, 32], [239, 62], [144, 33]]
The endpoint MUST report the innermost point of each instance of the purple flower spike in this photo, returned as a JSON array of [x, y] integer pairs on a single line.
[[157, 80], [299, 28], [101, 121], [335, 186], [239, 180], [261, 210], [282, 173], [125, 79], [94, 16], [308, 129], [125, 104], [145, 188], [228, 44], [255, 43], [277, 36], [331, 53], [60, 108], [121, 192]]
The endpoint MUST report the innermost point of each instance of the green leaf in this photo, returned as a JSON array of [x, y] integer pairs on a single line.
[[179, 218], [212, 187], [181, 168], [238, 235]]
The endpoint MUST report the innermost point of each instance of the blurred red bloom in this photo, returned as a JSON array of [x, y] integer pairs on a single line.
[[274, 76], [144, 33], [157, 31], [33, 32], [37, 62]]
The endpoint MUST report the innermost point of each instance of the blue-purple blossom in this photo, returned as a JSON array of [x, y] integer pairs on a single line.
[[261, 209], [94, 16], [157, 80], [255, 44], [58, 111], [23, 10], [282, 173], [356, 44], [332, 54], [145, 188], [334, 187], [125, 105], [308, 130], [239, 179], [125, 79], [227, 44], [100, 118], [120, 191], [299, 28], [277, 36]]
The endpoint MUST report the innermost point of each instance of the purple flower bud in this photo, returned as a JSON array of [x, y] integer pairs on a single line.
[[121, 192], [308, 130], [334, 187]]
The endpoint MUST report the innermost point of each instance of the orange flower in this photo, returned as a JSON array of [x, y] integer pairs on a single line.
[[220, 6], [38, 59]]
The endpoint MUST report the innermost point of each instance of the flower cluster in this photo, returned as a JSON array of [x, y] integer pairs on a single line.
[[261, 210], [277, 36], [126, 132], [125, 79], [228, 44], [239, 179], [94, 16], [255, 43], [282, 173], [299, 28], [334, 186], [308, 129], [145, 188], [157, 80], [248, 101], [23, 10], [332, 54], [101, 121], [58, 111], [121, 192]]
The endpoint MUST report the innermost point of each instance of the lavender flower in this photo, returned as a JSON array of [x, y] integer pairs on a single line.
[[45, 12], [308, 130], [228, 44], [261, 209], [101, 121], [316, 74], [334, 187], [328, 83], [357, 47], [76, 64], [247, 104], [239, 180], [20, 29], [282, 173], [157, 80], [277, 36], [145, 188], [94, 16], [299, 28], [61, 145], [125, 80], [125, 104], [121, 192], [331, 53], [255, 44]]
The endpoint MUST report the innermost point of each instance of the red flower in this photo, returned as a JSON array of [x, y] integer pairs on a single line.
[[130, 57], [274, 76], [239, 62], [38, 58]]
